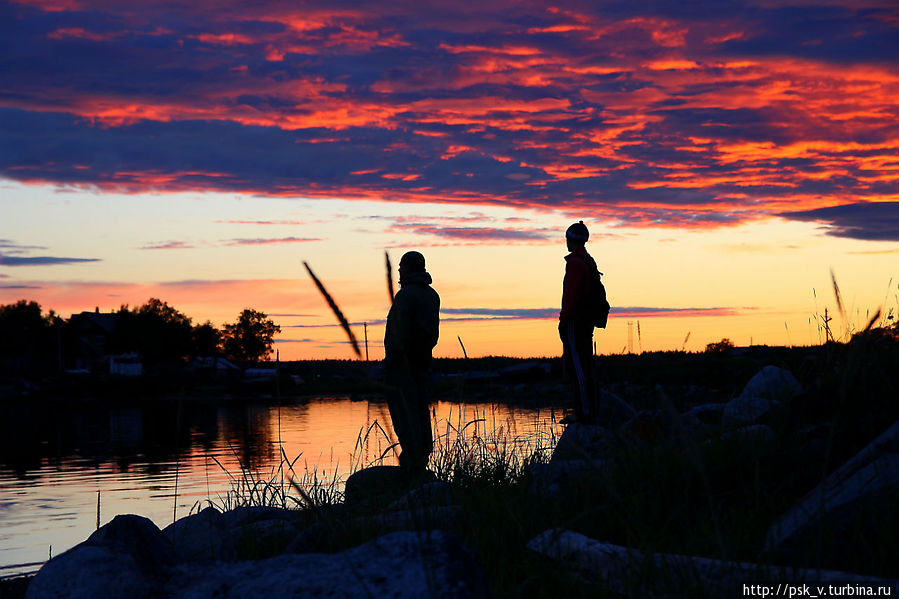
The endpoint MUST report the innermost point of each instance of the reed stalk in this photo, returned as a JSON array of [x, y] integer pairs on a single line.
[[390, 291], [336, 310], [464, 353]]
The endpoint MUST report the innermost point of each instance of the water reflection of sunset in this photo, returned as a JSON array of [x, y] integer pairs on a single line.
[[164, 460]]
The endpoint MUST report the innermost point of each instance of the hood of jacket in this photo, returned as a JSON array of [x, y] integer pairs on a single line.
[[416, 278]]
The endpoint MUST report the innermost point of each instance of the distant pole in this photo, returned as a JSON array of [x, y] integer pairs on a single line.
[[365, 329], [59, 344]]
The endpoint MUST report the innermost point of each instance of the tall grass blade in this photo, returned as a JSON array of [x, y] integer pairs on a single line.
[[340, 317], [389, 276], [873, 321], [687, 338], [838, 295], [464, 353]]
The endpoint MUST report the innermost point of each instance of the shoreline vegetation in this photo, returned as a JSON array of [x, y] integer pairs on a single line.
[[666, 474]]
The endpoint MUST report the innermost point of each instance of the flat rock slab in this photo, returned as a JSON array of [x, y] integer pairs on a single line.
[[398, 565], [635, 574]]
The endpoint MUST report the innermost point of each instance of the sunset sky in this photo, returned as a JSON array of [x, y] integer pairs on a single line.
[[727, 156]]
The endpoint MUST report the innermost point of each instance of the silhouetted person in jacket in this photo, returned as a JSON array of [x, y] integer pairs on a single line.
[[576, 325], [411, 334]]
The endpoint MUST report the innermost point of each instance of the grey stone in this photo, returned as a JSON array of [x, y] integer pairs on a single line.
[[386, 483], [764, 391], [635, 574], [121, 559], [373, 481], [585, 442], [203, 536], [88, 572], [398, 565], [138, 537]]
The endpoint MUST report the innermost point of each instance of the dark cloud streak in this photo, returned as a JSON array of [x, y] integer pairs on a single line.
[[866, 221], [684, 114]]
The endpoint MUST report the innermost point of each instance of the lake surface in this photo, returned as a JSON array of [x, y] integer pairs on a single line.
[[163, 459]]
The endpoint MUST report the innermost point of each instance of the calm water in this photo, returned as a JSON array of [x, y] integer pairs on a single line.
[[159, 460]]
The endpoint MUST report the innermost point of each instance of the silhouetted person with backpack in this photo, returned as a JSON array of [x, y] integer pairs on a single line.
[[584, 306], [411, 333]]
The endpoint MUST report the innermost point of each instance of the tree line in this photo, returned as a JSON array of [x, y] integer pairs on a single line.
[[156, 331]]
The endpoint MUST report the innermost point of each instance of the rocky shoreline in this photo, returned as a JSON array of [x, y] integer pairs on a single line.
[[395, 537]]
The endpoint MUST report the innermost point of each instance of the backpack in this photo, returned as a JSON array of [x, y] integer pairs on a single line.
[[596, 298]]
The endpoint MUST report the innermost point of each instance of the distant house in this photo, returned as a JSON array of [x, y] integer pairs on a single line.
[[216, 368], [89, 334], [126, 364], [213, 363], [259, 375]]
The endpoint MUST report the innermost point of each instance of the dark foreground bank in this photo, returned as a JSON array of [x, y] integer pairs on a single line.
[[702, 479]]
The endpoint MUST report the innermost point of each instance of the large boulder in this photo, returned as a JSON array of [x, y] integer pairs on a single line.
[[123, 559], [383, 484], [204, 536], [764, 391], [585, 442], [88, 572], [398, 565]]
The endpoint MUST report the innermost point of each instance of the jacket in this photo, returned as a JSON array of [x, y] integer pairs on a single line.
[[576, 286], [413, 322]]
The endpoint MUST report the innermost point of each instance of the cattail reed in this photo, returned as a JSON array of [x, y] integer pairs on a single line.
[[389, 276], [838, 296], [340, 317]]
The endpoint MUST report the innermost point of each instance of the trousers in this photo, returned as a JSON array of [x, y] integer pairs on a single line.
[[407, 401], [577, 354]]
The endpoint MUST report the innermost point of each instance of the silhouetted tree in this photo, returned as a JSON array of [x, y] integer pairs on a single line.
[[26, 335], [207, 340], [719, 347], [251, 337], [155, 330]]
